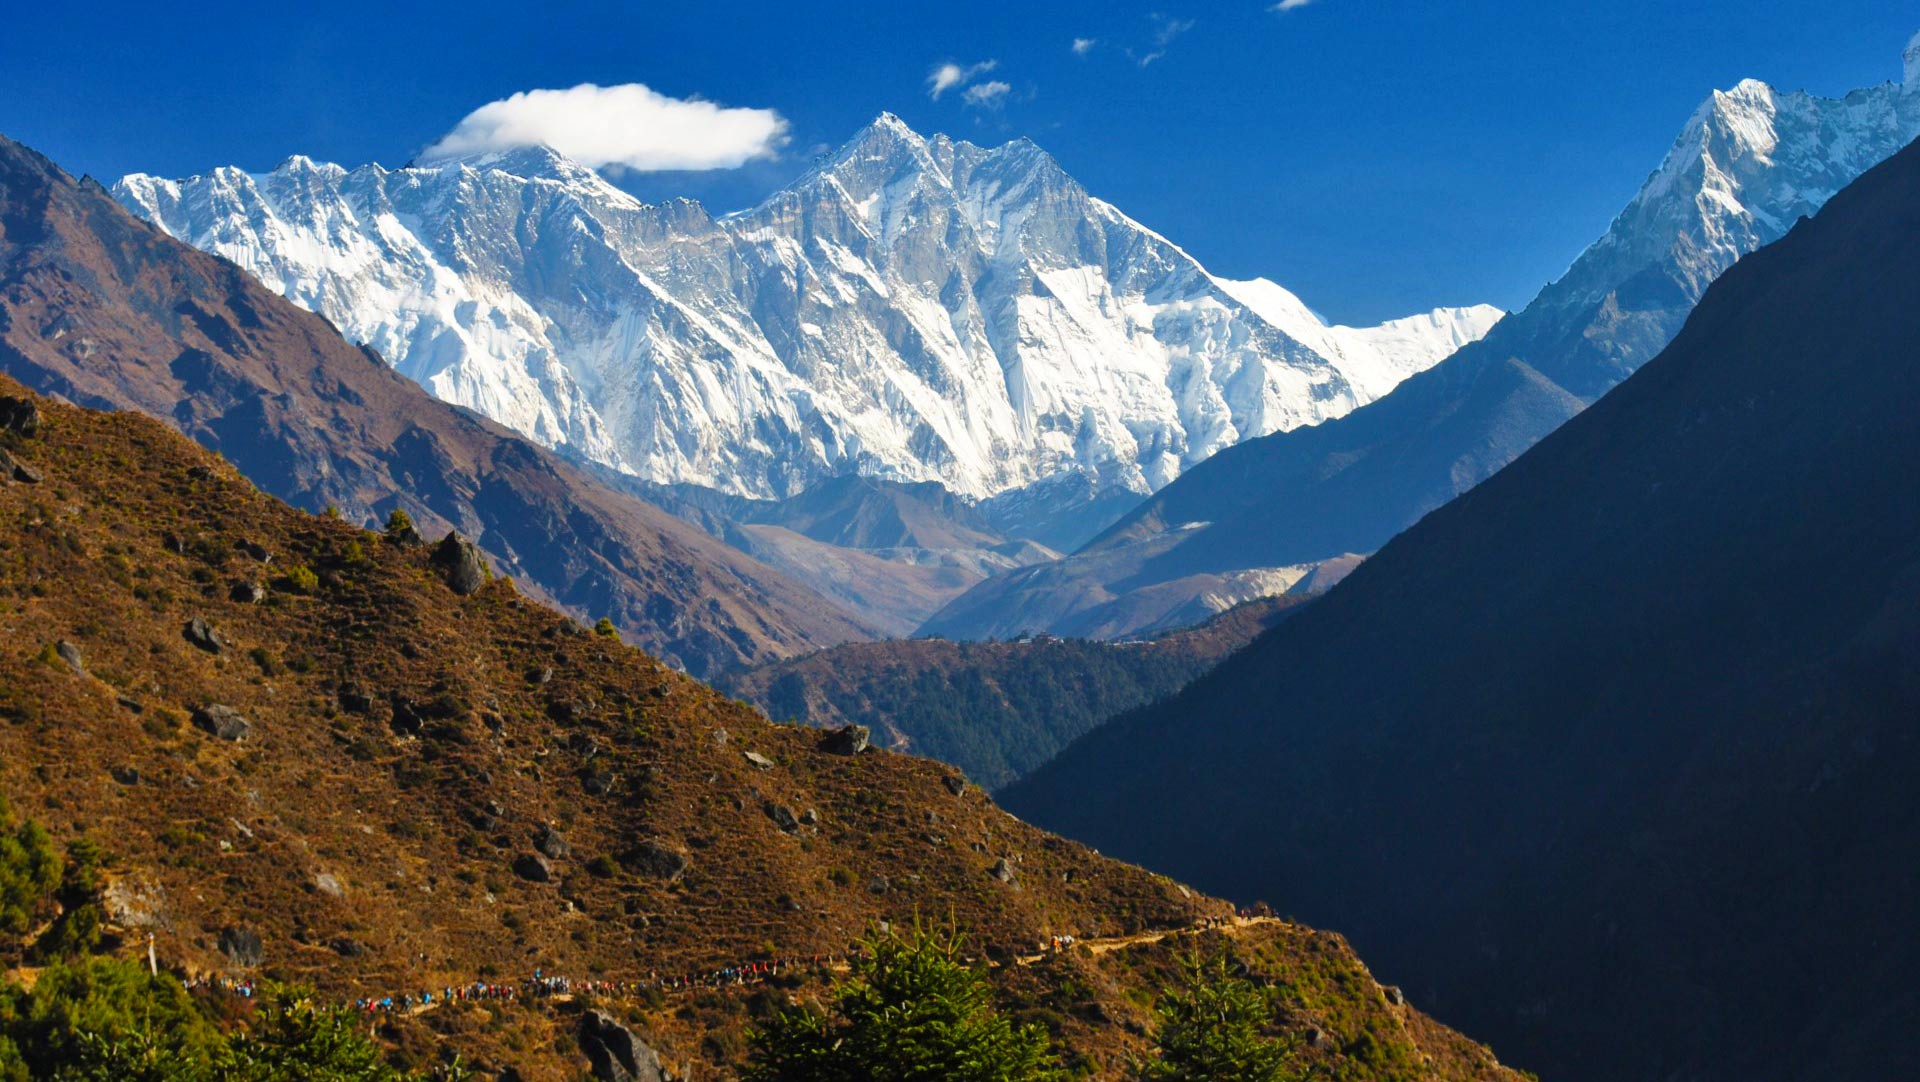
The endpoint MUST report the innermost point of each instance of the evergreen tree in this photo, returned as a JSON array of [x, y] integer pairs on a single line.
[[911, 1010], [1215, 1028], [30, 869]]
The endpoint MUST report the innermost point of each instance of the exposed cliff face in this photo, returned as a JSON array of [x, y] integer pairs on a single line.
[[103, 309], [918, 309]]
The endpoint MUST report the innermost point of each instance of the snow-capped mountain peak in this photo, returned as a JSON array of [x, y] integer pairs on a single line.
[[1911, 65], [914, 308]]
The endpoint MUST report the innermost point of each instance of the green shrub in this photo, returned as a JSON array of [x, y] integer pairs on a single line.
[[300, 579]]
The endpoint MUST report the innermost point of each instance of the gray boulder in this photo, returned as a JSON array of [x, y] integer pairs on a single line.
[[202, 636], [847, 740], [658, 859], [533, 868], [12, 468], [223, 722], [617, 1055], [70, 654], [551, 843], [19, 415], [783, 817], [459, 562]]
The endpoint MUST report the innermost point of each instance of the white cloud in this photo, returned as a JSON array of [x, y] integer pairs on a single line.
[[629, 126], [945, 77], [1083, 46], [1165, 29], [1290, 5], [988, 95]]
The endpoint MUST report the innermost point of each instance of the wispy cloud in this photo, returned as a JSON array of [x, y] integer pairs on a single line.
[[1083, 46], [1165, 29], [628, 126], [947, 76], [1290, 5], [988, 95]]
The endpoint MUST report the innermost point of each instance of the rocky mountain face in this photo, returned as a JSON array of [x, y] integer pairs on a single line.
[[317, 754], [1750, 162], [103, 309], [996, 710], [1614, 757], [915, 309]]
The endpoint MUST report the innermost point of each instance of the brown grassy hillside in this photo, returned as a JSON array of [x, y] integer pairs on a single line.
[[407, 745]]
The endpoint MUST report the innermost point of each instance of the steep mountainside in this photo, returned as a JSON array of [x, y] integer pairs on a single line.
[[996, 710], [889, 552], [919, 309], [1614, 757], [1749, 163], [101, 308], [314, 753]]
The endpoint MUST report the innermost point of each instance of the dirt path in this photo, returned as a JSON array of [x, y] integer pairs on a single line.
[[1106, 944]]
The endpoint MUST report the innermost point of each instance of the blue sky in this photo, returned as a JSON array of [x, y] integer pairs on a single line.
[[1378, 157]]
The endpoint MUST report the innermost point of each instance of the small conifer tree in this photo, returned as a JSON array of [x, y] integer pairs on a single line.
[[912, 1009], [1215, 1027]]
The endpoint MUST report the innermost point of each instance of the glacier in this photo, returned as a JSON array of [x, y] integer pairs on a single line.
[[911, 308]]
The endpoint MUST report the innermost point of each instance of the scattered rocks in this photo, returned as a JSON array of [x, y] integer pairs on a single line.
[[202, 636], [347, 947], [759, 760], [329, 884], [1316, 1037], [125, 775], [596, 784], [542, 675], [70, 654], [19, 415], [552, 843], [847, 740], [877, 885], [256, 552], [1394, 996], [460, 563], [131, 706], [533, 868], [241, 946], [955, 784], [247, 593], [223, 722], [354, 699], [200, 473], [783, 817], [654, 857], [809, 818], [615, 1053], [1003, 870]]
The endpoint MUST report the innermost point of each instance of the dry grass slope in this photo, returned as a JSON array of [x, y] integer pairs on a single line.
[[407, 744]]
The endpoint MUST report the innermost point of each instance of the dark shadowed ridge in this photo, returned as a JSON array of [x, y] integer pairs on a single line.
[[102, 309], [1614, 759]]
